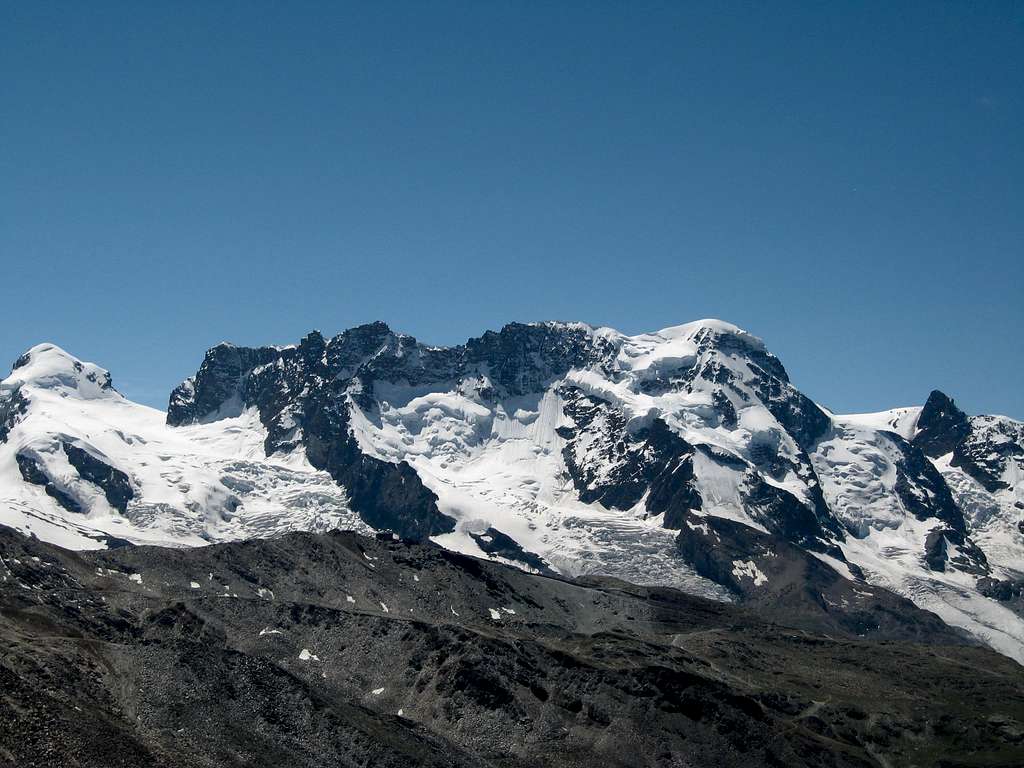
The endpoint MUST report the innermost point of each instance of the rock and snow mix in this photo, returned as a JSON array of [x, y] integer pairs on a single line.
[[189, 486], [552, 446], [748, 570]]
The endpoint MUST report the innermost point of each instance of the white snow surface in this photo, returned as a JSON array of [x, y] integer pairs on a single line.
[[856, 464], [193, 485], [902, 421]]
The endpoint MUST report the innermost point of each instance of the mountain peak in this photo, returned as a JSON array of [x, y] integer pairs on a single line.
[[940, 401], [47, 366], [708, 323], [941, 425]]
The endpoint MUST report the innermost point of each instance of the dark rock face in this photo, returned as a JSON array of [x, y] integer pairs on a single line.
[[1008, 591], [784, 515], [935, 550], [494, 542], [672, 489], [217, 385], [949, 548], [387, 496], [922, 488], [795, 411], [32, 472], [12, 408], [521, 359], [101, 670], [115, 484], [616, 467], [941, 425], [622, 485]]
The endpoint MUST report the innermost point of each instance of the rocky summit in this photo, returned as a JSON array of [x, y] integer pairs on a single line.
[[668, 503]]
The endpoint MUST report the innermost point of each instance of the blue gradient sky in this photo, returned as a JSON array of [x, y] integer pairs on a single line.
[[845, 180]]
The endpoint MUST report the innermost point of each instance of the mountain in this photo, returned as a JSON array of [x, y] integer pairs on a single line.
[[682, 458], [345, 650], [83, 467]]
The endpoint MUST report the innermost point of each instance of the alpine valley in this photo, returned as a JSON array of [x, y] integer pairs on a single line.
[[672, 492]]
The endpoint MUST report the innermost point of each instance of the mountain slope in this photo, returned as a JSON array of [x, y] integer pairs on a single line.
[[69, 442], [345, 650], [684, 457]]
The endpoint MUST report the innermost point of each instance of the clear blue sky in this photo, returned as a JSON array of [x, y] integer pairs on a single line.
[[845, 180]]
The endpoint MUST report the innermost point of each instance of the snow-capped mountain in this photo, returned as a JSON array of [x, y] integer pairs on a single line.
[[683, 457], [83, 467]]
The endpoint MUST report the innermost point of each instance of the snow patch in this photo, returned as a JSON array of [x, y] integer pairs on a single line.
[[747, 569]]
